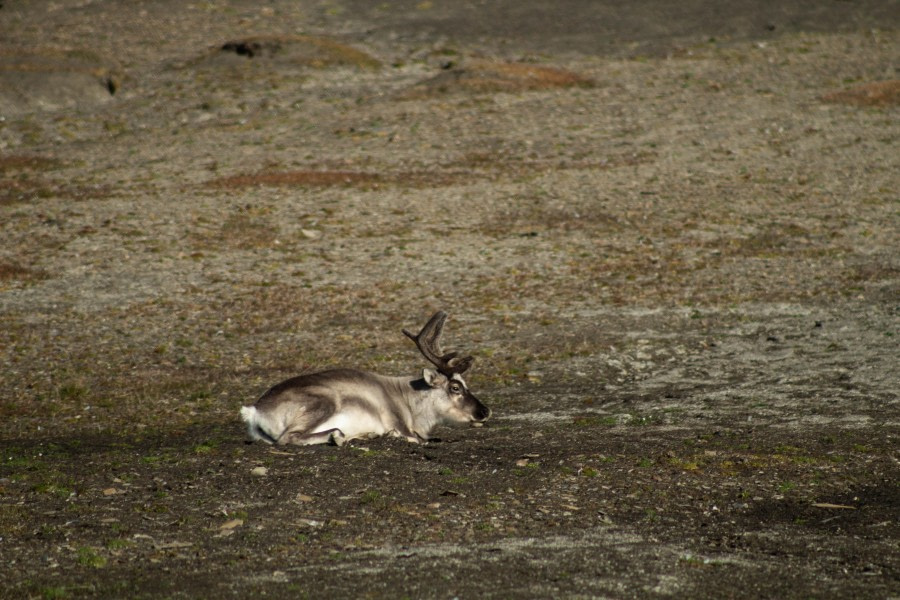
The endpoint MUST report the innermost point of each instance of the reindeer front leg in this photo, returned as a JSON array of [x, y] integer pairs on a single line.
[[414, 439], [334, 436]]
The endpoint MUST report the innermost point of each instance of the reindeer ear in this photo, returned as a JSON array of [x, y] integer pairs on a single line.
[[431, 377]]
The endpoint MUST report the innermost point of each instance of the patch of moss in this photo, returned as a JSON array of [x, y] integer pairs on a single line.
[[90, 557]]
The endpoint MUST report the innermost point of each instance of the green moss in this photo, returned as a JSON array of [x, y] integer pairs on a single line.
[[371, 497], [594, 421], [88, 557], [54, 593]]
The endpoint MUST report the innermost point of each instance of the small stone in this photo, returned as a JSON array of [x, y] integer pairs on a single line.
[[259, 471], [309, 523], [174, 545], [231, 524]]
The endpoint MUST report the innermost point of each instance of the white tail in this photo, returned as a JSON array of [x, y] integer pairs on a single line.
[[251, 417]]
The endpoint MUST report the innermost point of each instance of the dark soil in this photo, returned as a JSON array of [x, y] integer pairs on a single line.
[[667, 232]]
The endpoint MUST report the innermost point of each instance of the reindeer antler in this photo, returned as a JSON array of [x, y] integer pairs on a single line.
[[429, 343]]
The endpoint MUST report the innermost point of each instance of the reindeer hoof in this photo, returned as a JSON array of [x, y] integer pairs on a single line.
[[337, 438]]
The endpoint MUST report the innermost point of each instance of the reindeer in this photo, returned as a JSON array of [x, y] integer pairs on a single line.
[[339, 405]]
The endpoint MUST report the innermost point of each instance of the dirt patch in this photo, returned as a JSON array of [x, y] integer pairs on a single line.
[[355, 179], [878, 93], [462, 171], [295, 50], [16, 271], [17, 163], [481, 76]]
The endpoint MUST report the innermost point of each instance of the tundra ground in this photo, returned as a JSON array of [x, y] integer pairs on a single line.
[[671, 243]]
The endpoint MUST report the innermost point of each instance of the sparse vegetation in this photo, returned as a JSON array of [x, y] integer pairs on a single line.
[[89, 557], [677, 264]]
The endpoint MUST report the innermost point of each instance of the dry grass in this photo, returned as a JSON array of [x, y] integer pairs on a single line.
[[482, 76], [14, 191], [243, 231], [301, 50], [303, 178], [528, 77], [490, 165], [10, 163], [532, 216], [466, 169], [11, 270], [876, 93], [364, 180], [19, 184], [779, 240]]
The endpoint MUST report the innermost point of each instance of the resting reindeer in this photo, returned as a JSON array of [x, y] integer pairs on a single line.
[[344, 404]]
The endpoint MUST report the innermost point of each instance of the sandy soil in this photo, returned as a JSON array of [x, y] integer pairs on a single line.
[[669, 235]]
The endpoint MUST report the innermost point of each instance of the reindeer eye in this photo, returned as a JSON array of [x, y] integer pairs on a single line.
[[454, 387]]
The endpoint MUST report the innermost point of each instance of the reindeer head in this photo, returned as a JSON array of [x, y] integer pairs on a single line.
[[457, 404]]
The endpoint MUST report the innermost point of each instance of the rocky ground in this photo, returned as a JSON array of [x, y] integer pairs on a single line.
[[669, 235]]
